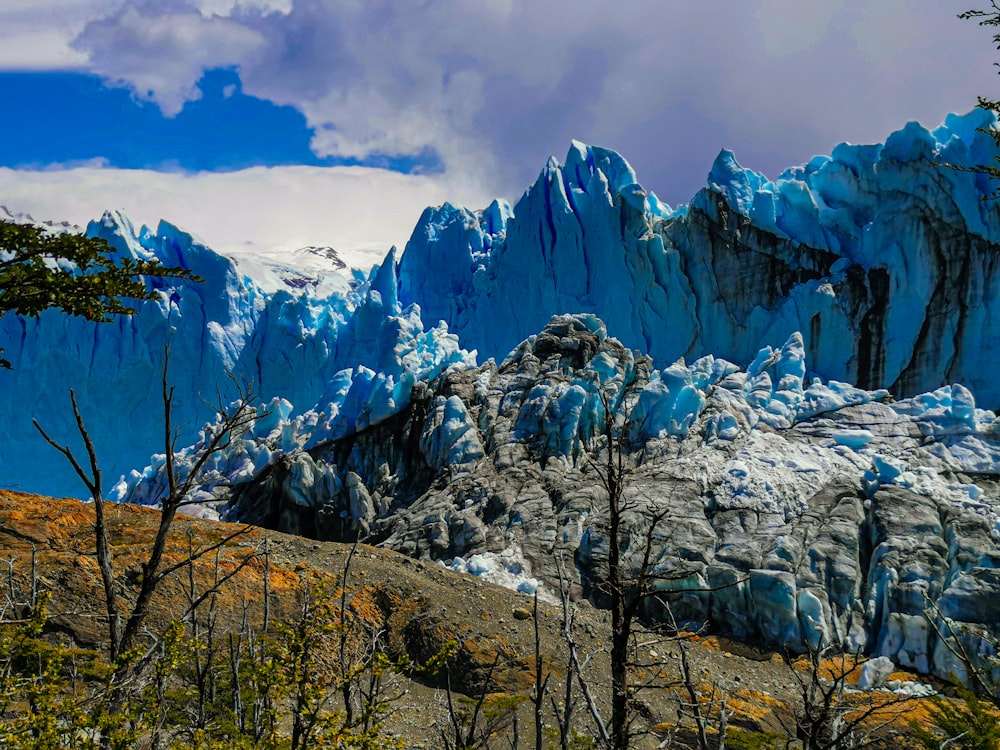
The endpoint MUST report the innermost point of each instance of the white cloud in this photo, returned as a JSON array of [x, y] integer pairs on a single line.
[[495, 87], [789, 26], [47, 49], [253, 210], [38, 34], [162, 55], [210, 8]]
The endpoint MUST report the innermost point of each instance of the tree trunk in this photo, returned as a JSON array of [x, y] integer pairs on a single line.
[[620, 620]]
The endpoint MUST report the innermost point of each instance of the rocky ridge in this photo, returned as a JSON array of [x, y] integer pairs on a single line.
[[791, 514]]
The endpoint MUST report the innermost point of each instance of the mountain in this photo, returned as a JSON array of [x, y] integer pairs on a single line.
[[725, 333], [316, 268], [62, 227]]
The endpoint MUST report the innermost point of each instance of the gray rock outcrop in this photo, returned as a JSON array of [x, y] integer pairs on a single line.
[[787, 515]]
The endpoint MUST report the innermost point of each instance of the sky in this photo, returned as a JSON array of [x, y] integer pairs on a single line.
[[282, 123]]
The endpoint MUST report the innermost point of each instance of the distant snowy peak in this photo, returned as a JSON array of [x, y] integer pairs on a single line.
[[56, 227], [320, 270], [326, 253], [294, 272]]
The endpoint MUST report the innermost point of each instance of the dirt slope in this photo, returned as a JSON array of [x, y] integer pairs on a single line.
[[422, 605]]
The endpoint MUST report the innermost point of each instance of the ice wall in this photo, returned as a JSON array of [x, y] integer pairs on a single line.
[[881, 259], [880, 256], [223, 334]]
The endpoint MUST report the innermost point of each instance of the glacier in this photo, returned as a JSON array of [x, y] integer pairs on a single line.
[[795, 511], [789, 353], [882, 258], [224, 335]]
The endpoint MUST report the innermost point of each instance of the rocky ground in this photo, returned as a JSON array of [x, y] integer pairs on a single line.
[[422, 603], [790, 511]]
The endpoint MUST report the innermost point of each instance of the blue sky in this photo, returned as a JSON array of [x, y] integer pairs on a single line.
[[224, 129], [171, 107]]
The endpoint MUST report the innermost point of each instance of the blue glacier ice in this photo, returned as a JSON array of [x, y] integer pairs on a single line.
[[359, 353], [874, 265], [879, 256]]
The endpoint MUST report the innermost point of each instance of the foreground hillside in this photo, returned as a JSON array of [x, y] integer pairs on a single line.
[[418, 606]]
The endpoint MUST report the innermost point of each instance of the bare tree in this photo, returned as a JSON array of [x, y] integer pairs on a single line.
[[628, 587], [970, 722], [830, 714], [123, 628], [474, 722], [632, 585], [708, 714], [541, 681], [575, 668], [956, 637], [126, 623], [989, 18], [623, 594]]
